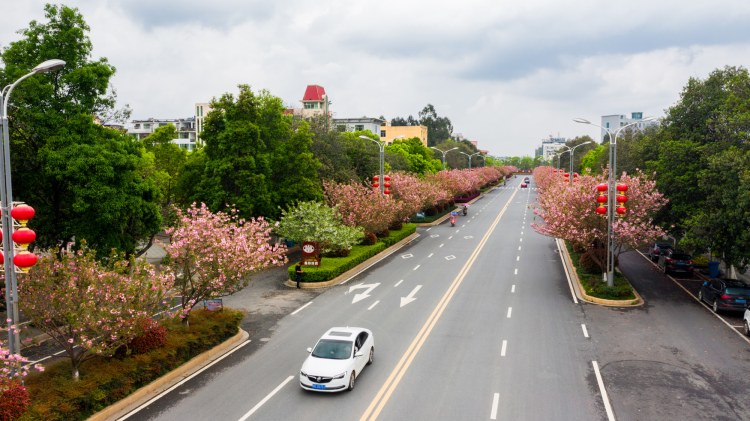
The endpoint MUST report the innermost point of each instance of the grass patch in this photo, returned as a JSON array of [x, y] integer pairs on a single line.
[[593, 284], [104, 381]]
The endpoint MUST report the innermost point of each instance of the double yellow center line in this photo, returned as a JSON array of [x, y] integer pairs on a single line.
[[385, 392]]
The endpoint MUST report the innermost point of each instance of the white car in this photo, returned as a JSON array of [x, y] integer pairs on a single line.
[[337, 359], [746, 321]]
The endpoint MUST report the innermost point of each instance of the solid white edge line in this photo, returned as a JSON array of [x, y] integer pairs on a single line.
[[183, 381], [605, 398], [301, 308], [373, 305], [495, 404], [560, 245], [585, 332], [266, 399], [504, 348]]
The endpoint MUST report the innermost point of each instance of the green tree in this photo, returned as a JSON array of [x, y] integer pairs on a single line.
[[86, 181], [419, 158], [168, 162], [439, 128], [315, 221]]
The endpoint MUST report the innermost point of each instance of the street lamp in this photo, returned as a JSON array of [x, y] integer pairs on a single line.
[[469, 156], [381, 147], [444, 152], [6, 205], [611, 191], [572, 154]]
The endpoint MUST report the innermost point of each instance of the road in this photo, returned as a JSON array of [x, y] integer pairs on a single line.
[[477, 322]]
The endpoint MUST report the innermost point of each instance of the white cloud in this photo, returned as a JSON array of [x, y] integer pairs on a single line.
[[506, 73]]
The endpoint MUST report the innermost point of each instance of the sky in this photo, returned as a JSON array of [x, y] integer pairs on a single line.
[[508, 74]]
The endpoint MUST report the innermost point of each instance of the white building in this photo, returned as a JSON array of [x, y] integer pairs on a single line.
[[358, 124], [185, 130], [615, 121], [201, 110], [551, 146]]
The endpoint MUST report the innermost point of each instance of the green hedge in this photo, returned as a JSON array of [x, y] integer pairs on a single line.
[[104, 381], [595, 287], [331, 267]]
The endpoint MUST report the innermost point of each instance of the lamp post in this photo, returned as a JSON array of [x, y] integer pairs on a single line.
[[6, 205], [572, 152], [444, 152], [611, 192], [381, 147], [469, 156]]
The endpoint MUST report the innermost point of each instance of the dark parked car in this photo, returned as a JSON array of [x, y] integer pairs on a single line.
[[672, 261], [657, 249], [725, 294]]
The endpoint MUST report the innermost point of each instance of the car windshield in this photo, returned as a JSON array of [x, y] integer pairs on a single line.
[[333, 349]]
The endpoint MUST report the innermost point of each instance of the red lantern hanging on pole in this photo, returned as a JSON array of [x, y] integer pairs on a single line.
[[22, 214], [24, 260], [601, 199], [23, 237], [621, 199], [387, 184]]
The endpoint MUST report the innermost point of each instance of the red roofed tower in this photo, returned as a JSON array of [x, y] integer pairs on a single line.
[[315, 101]]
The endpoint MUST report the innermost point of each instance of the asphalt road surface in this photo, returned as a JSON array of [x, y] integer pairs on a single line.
[[477, 322]]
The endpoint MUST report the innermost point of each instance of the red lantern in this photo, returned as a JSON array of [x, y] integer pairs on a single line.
[[601, 210], [621, 198], [22, 213], [621, 210], [622, 188], [601, 198], [602, 187], [386, 191], [23, 237], [25, 260]]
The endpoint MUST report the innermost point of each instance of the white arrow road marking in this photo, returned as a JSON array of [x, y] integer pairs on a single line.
[[409, 298], [362, 295], [434, 235]]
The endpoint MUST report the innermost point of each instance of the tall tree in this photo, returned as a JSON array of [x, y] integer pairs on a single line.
[[439, 128], [86, 181]]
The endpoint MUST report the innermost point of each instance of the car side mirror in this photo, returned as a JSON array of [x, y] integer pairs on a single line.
[[359, 354], [309, 350]]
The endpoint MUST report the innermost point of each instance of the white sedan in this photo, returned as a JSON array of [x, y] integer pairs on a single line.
[[337, 359]]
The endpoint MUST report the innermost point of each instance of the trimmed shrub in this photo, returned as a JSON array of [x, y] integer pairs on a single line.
[[14, 400], [154, 336]]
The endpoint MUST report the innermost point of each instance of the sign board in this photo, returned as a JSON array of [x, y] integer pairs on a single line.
[[310, 253], [214, 304]]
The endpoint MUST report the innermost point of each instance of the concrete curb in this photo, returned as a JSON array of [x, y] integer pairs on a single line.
[[147, 392], [581, 292], [355, 270]]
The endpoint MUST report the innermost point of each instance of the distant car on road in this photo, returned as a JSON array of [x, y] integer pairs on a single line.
[[524, 185], [657, 249], [746, 322], [337, 359], [526, 180], [672, 261], [725, 294]]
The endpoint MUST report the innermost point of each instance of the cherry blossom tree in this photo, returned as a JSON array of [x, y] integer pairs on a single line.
[[90, 308], [213, 254], [568, 211], [361, 206]]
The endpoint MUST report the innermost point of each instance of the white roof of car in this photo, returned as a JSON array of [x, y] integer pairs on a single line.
[[343, 332]]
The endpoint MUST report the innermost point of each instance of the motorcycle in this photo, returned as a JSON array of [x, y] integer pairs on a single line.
[[453, 221]]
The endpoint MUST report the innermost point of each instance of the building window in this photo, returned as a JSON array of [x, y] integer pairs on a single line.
[[146, 125], [382, 133], [606, 124], [137, 125], [359, 127]]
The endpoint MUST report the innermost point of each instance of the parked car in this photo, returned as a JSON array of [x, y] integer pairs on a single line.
[[672, 261], [746, 321], [337, 359], [725, 294], [657, 249]]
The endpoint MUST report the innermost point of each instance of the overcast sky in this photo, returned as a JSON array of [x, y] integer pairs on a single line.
[[506, 73]]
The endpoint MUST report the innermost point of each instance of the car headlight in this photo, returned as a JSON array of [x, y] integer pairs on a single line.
[[303, 373], [340, 376]]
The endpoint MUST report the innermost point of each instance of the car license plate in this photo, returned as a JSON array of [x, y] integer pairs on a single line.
[[739, 301], [319, 386]]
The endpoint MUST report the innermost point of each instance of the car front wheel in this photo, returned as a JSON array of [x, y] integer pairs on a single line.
[[715, 306], [371, 358], [700, 295], [747, 328], [351, 381]]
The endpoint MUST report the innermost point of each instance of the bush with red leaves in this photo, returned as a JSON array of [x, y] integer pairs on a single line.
[[14, 400], [154, 336]]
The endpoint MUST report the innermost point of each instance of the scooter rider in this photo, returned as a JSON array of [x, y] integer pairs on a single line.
[[465, 209]]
